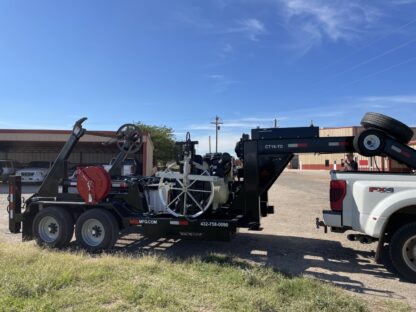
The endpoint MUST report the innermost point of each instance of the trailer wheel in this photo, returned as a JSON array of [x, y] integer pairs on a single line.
[[395, 128], [53, 227], [369, 143], [96, 230], [403, 251]]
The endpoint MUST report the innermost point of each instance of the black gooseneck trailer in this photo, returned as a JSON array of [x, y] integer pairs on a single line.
[[50, 215]]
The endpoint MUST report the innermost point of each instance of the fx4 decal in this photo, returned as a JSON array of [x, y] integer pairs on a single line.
[[377, 189]]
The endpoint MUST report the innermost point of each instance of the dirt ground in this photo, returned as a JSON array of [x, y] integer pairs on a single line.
[[289, 242]]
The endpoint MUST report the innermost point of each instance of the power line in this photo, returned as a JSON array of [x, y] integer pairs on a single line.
[[372, 43], [401, 46], [380, 71]]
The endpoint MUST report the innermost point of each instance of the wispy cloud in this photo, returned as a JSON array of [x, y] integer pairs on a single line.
[[220, 83], [193, 17], [393, 99], [311, 21], [252, 28]]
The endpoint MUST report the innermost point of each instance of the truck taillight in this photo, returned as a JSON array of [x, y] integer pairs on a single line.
[[337, 193]]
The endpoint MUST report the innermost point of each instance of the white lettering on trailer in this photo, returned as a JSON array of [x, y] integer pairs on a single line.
[[148, 221], [333, 143], [214, 224], [274, 146]]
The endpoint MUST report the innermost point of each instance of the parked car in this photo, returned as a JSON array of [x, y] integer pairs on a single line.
[[35, 171], [129, 167], [7, 168]]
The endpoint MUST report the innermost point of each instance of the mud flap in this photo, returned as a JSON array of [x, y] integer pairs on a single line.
[[14, 208]]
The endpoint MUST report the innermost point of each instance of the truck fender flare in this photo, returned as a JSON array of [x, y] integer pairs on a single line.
[[379, 217]]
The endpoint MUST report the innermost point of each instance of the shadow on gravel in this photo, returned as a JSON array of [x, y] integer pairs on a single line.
[[287, 254]]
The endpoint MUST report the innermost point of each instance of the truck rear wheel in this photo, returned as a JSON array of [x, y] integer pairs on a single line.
[[403, 251], [96, 230], [53, 227]]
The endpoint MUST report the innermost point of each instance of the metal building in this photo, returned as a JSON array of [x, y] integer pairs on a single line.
[[336, 161], [24, 146]]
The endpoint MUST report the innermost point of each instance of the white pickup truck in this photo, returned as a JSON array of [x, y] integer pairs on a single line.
[[381, 207]]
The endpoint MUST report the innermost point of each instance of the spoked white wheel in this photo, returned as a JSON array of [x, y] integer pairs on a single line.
[[185, 194]]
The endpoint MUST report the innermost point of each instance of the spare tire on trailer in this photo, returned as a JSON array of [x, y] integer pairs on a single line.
[[391, 126]]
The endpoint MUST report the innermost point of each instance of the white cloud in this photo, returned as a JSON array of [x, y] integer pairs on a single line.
[[228, 48], [394, 99], [220, 83], [312, 21], [252, 28]]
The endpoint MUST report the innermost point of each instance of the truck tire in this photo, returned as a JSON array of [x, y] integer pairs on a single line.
[[369, 143], [53, 227], [96, 230], [395, 128], [403, 251]]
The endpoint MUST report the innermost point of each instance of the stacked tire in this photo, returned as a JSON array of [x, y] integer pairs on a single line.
[[372, 140]]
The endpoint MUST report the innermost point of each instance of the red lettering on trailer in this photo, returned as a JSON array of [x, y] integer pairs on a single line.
[[134, 221], [297, 145]]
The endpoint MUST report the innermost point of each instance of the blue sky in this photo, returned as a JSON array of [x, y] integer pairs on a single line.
[[179, 63]]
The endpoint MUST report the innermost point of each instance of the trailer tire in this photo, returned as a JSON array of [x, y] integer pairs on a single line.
[[395, 128], [53, 227], [96, 230], [403, 251], [370, 143]]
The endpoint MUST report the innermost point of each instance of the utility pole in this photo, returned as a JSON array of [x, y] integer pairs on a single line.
[[217, 124], [209, 142], [275, 122]]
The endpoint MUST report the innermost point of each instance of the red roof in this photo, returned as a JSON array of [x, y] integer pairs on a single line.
[[37, 131]]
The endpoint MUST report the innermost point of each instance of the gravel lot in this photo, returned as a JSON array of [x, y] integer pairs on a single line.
[[289, 242]]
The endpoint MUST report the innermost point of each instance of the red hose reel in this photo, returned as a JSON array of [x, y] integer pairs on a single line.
[[93, 184]]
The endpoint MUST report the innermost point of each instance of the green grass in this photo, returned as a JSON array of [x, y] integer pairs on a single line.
[[35, 279]]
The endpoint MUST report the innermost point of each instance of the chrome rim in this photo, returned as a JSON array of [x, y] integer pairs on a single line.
[[409, 252], [372, 142], [48, 229], [93, 232]]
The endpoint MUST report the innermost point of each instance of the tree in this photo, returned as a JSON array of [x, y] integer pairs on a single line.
[[163, 141]]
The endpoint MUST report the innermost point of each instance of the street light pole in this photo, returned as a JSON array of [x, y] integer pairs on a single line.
[[217, 124]]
